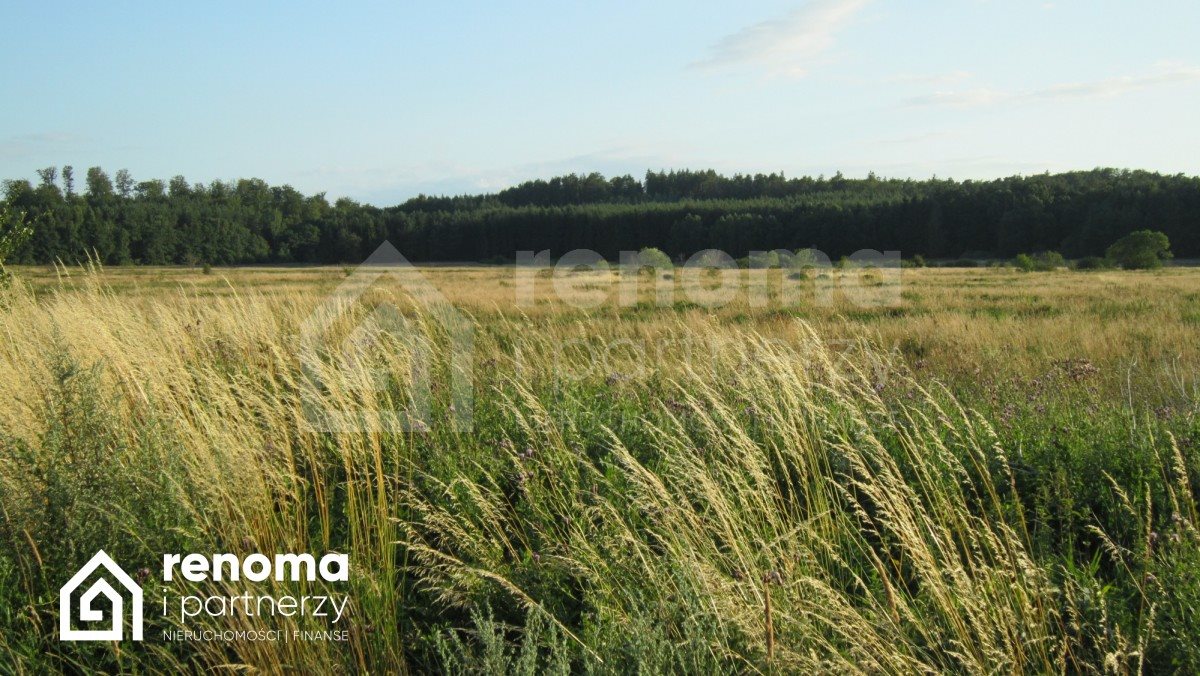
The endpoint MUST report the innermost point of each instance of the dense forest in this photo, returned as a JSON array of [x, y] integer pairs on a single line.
[[122, 220]]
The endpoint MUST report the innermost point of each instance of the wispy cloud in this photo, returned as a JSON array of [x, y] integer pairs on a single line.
[[25, 145], [1107, 88], [910, 139], [787, 44], [935, 79]]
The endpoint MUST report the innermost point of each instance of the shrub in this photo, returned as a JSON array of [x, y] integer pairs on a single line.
[[1040, 262], [1094, 263], [1049, 260], [805, 259], [764, 259], [13, 233], [1141, 250], [653, 259]]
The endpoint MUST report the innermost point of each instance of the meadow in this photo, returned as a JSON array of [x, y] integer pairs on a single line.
[[998, 473]]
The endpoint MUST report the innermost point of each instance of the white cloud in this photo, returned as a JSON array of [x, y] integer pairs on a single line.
[[787, 44], [911, 138], [26, 145], [938, 79], [1111, 87]]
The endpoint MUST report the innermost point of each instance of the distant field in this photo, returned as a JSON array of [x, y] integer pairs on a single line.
[[958, 323], [997, 473]]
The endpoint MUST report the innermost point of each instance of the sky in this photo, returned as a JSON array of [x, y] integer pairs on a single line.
[[383, 101]]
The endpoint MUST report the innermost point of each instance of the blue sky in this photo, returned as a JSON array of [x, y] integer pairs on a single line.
[[381, 101]]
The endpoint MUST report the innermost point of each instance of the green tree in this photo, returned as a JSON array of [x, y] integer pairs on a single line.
[[98, 184], [653, 259], [68, 175], [49, 177], [1141, 250], [178, 187], [125, 183], [13, 233], [1045, 261]]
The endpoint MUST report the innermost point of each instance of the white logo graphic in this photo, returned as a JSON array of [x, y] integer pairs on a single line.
[[324, 363], [89, 614]]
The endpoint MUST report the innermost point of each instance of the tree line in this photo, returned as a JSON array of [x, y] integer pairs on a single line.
[[123, 221]]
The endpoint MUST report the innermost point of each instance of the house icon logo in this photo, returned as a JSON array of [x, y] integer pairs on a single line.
[[89, 614], [342, 366]]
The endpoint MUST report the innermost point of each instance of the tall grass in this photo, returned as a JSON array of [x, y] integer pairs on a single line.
[[750, 503]]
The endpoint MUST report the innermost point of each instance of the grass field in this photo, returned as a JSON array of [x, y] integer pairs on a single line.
[[997, 474]]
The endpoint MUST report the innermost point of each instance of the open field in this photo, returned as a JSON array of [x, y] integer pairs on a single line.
[[967, 326], [998, 473]]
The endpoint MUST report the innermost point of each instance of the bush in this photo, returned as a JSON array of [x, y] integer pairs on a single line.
[[1049, 260], [1094, 263], [1040, 262], [13, 233], [805, 259], [764, 259], [1141, 250], [653, 259]]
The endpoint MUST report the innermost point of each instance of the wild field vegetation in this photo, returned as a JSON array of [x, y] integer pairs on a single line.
[[998, 475]]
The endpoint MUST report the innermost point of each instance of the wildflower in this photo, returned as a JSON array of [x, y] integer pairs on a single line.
[[1076, 370], [676, 406]]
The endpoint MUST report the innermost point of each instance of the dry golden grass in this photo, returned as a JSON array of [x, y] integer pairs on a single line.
[[665, 469], [958, 322]]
